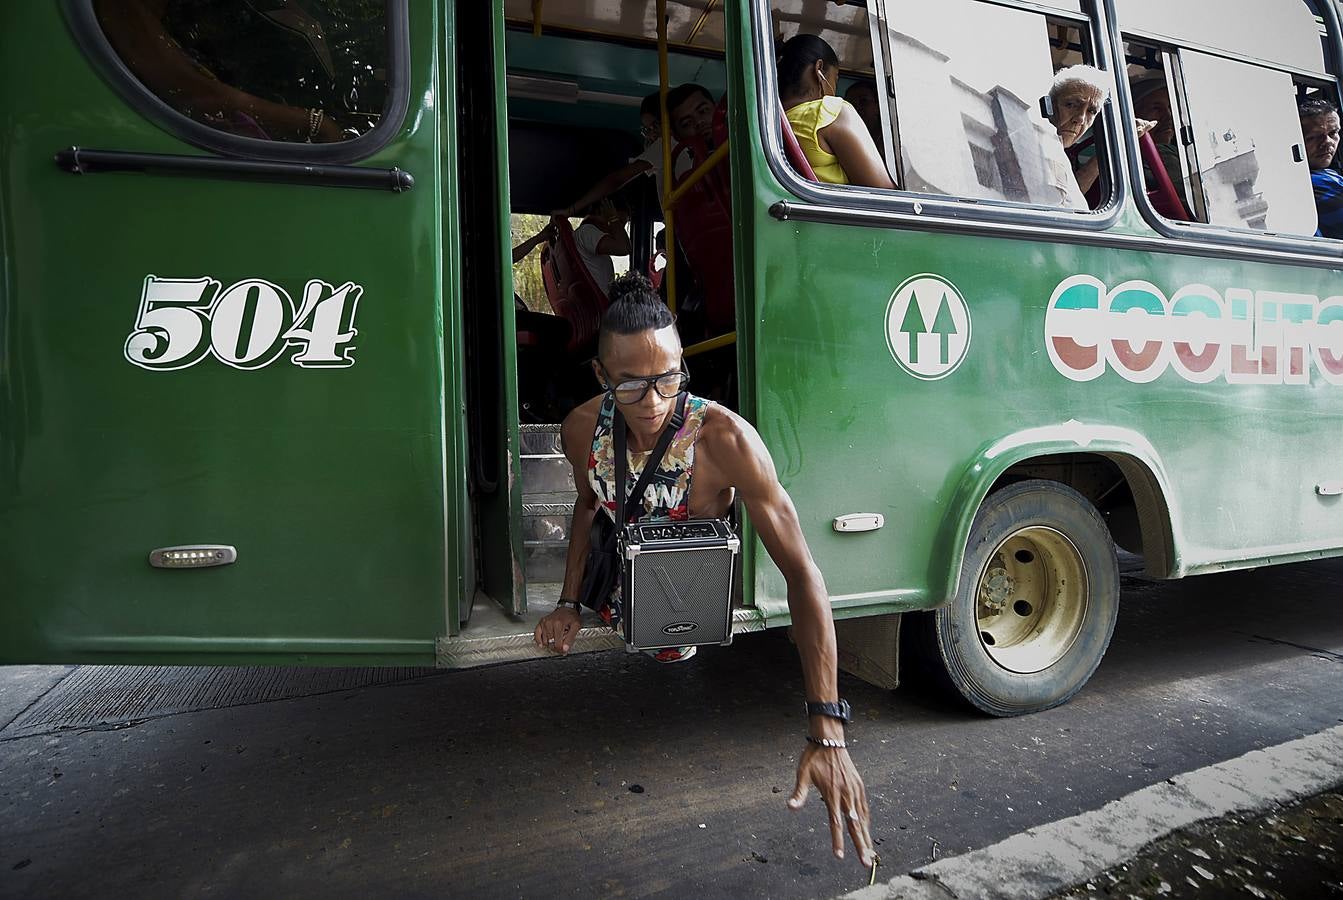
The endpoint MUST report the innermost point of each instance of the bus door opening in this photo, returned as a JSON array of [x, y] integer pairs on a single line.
[[587, 189]]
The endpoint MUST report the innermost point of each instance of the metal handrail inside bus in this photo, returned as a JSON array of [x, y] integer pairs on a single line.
[[673, 195], [722, 340]]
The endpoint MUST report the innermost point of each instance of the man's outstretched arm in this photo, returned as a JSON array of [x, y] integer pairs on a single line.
[[743, 460], [613, 182]]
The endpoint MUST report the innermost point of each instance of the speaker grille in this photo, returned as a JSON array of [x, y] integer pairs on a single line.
[[680, 597]]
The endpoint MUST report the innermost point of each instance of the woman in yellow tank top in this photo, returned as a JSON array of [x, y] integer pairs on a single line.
[[832, 135]]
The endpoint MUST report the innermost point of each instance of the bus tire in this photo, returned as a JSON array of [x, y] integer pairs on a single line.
[[1036, 603]]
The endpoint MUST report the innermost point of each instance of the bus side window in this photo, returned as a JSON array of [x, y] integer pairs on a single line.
[[1318, 112], [1244, 127], [315, 73], [968, 120], [1235, 152], [1156, 99]]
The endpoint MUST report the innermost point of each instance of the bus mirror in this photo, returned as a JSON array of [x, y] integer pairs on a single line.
[[1047, 106]]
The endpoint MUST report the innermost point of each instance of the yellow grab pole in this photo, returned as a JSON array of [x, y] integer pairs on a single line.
[[667, 234], [711, 344], [536, 17], [694, 177]]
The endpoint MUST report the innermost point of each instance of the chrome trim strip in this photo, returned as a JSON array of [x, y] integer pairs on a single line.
[[1044, 8], [1152, 37], [843, 215]]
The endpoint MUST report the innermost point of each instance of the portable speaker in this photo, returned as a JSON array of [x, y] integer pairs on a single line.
[[676, 583]]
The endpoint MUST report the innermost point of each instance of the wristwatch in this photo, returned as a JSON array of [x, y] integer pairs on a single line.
[[577, 607], [838, 710]]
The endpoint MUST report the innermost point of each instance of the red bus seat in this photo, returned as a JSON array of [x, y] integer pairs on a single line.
[[573, 293], [793, 150], [704, 230], [1165, 199]]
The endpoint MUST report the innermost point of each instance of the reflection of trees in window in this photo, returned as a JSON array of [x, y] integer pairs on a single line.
[[284, 70]]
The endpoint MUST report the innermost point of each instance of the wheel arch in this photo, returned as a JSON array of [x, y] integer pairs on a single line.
[[1032, 453]]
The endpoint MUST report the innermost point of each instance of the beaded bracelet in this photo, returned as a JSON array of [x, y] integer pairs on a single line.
[[827, 742]]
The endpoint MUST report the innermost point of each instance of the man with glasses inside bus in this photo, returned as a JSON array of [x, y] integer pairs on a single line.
[[714, 456]]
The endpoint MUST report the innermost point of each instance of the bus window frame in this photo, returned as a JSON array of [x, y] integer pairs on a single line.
[[1301, 248], [910, 207], [98, 50]]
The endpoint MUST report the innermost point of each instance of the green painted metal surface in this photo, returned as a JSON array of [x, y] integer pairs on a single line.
[[330, 482], [501, 513], [851, 430], [345, 489]]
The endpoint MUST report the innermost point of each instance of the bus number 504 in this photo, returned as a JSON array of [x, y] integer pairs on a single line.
[[247, 326]]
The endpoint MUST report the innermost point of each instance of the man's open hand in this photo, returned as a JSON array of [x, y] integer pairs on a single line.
[[556, 632], [833, 774]]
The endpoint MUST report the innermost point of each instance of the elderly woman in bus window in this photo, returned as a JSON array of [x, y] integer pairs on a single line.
[[1076, 96], [832, 134]]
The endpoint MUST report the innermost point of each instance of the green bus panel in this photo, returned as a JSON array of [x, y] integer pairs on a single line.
[[328, 481]]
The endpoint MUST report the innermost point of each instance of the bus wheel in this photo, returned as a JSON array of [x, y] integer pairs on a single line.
[[1036, 604]]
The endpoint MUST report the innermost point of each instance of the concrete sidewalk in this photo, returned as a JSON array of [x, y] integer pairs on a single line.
[[1060, 855]]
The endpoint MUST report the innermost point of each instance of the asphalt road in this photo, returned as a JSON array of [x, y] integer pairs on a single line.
[[612, 775]]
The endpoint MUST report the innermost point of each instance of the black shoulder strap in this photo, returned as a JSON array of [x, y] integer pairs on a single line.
[[654, 459]]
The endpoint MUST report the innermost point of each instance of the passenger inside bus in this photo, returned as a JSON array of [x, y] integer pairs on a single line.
[[1320, 128], [545, 236], [1075, 99], [602, 235], [833, 136], [649, 162], [862, 96], [1151, 101], [690, 110]]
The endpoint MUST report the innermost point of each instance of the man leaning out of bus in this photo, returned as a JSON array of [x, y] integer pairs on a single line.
[[640, 366]]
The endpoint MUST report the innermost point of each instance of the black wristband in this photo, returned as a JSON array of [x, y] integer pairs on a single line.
[[574, 604], [838, 710]]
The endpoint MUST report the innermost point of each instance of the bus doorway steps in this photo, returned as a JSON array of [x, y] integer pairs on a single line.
[[547, 503]]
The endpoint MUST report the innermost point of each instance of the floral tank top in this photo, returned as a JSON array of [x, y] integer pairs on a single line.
[[667, 497]]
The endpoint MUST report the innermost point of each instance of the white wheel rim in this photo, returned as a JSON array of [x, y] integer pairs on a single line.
[[1031, 599]]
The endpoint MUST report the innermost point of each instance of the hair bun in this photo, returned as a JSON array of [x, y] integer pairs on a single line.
[[631, 286]]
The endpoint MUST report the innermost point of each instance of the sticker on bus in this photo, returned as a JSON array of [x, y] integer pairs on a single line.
[[928, 326], [1239, 335], [249, 325]]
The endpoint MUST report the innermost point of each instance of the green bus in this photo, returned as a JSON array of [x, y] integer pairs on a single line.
[[268, 394]]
